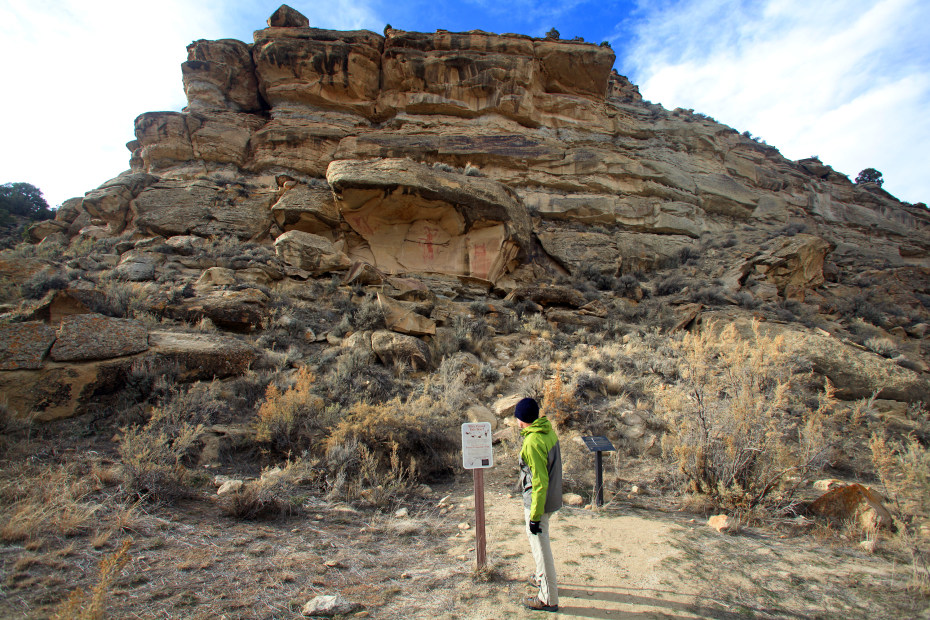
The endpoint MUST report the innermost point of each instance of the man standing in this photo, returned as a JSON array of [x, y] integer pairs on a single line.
[[541, 482]]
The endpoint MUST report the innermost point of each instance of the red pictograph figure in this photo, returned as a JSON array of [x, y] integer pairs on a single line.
[[359, 223], [427, 242], [481, 265]]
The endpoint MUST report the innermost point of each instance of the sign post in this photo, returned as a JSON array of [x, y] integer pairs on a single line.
[[477, 455], [597, 445]]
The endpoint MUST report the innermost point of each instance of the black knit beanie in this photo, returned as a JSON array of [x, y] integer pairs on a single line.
[[527, 410]]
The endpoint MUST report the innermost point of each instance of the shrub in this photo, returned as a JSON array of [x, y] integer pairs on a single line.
[[882, 346], [354, 377], [291, 419], [423, 437], [155, 454], [670, 285], [472, 171], [368, 316], [558, 403], [731, 431], [360, 475], [42, 282], [904, 470]]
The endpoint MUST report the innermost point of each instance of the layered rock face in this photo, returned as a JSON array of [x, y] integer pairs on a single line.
[[428, 153], [497, 161]]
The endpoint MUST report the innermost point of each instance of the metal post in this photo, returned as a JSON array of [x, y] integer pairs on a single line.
[[599, 481], [480, 543]]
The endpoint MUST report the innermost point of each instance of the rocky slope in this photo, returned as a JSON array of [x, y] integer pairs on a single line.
[[454, 166]]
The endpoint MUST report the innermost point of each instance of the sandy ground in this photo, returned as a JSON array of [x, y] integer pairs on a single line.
[[620, 561]]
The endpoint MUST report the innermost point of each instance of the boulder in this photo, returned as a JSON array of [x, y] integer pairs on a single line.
[[828, 484], [724, 524], [329, 605], [47, 228], [61, 390], [572, 499], [230, 486], [239, 310], [138, 266], [217, 276], [853, 502], [311, 252], [401, 317], [479, 413], [220, 75], [24, 345], [69, 302], [570, 317], [110, 201], [309, 209], [505, 406], [286, 17], [203, 356], [94, 337], [549, 295], [391, 347]]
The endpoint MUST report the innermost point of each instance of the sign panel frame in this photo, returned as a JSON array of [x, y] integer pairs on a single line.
[[477, 449]]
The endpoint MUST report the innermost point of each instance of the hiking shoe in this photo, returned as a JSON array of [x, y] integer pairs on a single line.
[[535, 604]]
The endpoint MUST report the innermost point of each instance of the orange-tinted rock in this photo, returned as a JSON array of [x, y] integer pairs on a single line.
[[854, 502], [724, 524], [24, 345]]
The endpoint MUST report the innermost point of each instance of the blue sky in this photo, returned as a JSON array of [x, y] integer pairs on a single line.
[[847, 81]]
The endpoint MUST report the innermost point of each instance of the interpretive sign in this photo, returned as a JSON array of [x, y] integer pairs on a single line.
[[597, 445], [476, 445]]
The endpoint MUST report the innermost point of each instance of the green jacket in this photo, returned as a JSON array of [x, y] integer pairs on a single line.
[[541, 469]]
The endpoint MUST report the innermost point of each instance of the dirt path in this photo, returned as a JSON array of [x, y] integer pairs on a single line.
[[624, 562]]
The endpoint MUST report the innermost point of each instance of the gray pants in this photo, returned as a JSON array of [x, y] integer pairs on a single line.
[[542, 554]]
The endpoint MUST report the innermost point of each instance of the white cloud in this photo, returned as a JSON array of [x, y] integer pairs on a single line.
[[77, 73], [847, 81]]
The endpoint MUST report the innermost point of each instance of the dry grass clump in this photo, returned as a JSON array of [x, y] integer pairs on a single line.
[[81, 605], [268, 497], [904, 470], [731, 430], [359, 475], [44, 499]]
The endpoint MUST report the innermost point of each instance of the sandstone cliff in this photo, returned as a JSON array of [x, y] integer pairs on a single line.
[[492, 162]]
